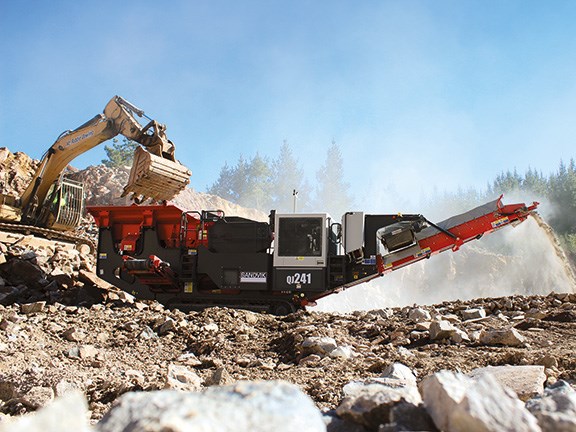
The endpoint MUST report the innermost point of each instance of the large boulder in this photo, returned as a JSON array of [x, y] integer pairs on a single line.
[[246, 406], [457, 403], [372, 402]]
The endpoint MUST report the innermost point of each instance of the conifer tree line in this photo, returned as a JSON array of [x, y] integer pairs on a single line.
[[265, 183], [557, 191]]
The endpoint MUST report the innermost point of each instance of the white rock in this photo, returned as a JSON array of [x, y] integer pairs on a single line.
[[74, 335], [442, 392], [457, 403], [246, 406], [400, 372], [219, 377], [311, 359], [475, 335], [453, 318], [66, 414], [370, 402], [441, 329], [418, 315], [526, 381], [488, 406], [535, 313], [474, 313], [147, 333], [460, 336], [423, 326], [87, 351], [125, 297], [556, 408], [318, 345], [182, 378], [211, 328], [190, 359], [506, 336], [342, 352], [383, 313], [167, 326]]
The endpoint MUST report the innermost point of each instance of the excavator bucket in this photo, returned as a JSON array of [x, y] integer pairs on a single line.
[[154, 177]]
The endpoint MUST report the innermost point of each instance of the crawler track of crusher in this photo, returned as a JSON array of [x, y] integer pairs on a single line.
[[48, 234]]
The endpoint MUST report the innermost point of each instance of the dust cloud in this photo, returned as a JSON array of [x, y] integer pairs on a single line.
[[525, 259]]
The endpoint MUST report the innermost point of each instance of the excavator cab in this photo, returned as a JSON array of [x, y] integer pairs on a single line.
[[64, 205]]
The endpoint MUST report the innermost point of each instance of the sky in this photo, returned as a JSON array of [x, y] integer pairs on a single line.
[[421, 96]]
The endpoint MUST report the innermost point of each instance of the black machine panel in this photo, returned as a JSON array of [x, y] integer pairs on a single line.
[[246, 271], [372, 223], [239, 235]]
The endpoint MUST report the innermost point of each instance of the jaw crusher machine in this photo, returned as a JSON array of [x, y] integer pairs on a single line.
[[197, 259]]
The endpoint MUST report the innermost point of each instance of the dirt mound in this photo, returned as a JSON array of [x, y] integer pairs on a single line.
[[104, 186], [565, 262]]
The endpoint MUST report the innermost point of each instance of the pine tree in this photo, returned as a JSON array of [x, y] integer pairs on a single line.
[[288, 178], [332, 193], [247, 183], [535, 182], [120, 154], [224, 185], [257, 186], [506, 183]]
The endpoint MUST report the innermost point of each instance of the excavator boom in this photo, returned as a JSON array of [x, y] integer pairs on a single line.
[[155, 173]]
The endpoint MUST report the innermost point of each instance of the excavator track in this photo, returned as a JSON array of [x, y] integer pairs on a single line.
[[48, 234]]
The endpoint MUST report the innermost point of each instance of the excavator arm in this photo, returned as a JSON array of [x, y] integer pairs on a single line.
[[118, 118]]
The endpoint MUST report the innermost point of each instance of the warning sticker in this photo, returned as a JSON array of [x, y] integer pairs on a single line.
[[502, 221], [423, 252]]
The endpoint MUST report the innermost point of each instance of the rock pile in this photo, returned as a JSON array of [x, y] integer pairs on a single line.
[[16, 170], [34, 270], [104, 186]]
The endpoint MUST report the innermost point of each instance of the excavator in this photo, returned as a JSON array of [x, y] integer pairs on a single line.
[[53, 204]]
